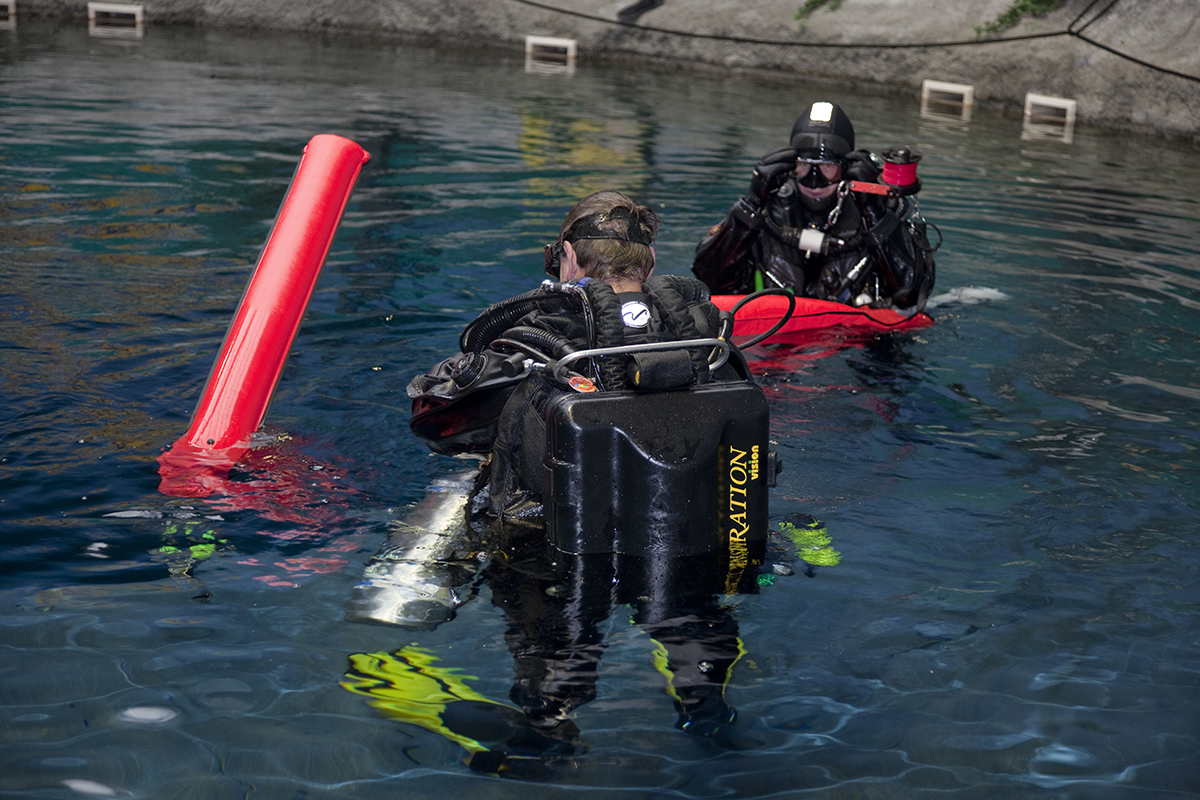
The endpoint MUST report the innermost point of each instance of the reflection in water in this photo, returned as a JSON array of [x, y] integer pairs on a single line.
[[555, 605], [446, 552]]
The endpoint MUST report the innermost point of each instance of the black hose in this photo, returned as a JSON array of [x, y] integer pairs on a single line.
[[737, 359], [503, 315], [775, 328], [524, 348], [556, 346]]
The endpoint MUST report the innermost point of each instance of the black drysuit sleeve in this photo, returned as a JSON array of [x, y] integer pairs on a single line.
[[723, 259]]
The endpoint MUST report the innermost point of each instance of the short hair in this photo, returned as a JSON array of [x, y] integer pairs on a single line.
[[606, 259]]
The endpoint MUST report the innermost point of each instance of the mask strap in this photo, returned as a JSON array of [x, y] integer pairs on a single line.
[[589, 228]]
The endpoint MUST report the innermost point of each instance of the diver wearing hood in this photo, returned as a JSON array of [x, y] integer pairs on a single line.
[[874, 250]]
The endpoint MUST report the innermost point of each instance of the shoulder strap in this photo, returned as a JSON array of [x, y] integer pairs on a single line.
[[673, 297], [610, 332]]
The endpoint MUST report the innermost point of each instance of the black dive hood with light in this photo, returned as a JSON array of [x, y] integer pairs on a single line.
[[823, 133]]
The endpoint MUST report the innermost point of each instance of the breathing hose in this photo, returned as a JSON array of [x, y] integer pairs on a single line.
[[503, 315]]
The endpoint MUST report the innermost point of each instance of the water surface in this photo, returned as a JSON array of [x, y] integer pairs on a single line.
[[1013, 490]]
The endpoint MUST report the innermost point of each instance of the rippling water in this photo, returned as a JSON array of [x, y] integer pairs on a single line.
[[1013, 491]]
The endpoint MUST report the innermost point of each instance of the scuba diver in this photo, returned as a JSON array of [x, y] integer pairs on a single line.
[[671, 514], [601, 294], [807, 223]]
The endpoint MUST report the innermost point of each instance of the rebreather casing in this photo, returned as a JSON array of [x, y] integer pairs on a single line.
[[682, 472]]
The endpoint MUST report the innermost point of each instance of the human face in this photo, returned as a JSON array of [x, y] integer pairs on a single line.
[[818, 180]]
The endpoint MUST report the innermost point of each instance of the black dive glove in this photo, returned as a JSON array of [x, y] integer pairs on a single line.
[[769, 174], [860, 167]]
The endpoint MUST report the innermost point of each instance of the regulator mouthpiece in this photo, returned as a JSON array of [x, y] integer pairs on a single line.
[[900, 169]]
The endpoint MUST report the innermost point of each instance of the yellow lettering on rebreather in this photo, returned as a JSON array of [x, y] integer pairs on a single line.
[[739, 553], [738, 462], [754, 463], [737, 495]]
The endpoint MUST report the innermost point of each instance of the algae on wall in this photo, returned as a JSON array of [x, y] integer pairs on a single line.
[[1014, 14]]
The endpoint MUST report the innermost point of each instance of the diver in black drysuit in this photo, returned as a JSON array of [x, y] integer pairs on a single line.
[[554, 602], [875, 251]]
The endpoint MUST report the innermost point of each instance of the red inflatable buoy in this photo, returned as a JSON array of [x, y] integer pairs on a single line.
[[243, 378], [812, 316]]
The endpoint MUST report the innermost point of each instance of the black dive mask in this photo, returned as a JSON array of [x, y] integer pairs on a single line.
[[819, 175], [589, 228], [553, 258]]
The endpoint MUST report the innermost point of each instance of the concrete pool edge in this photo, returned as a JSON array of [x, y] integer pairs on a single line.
[[1097, 66]]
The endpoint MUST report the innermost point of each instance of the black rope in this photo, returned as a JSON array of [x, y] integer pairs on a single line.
[[1135, 60], [779, 42], [1070, 31], [1084, 13]]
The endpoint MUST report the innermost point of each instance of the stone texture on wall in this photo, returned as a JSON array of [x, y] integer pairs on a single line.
[[861, 41]]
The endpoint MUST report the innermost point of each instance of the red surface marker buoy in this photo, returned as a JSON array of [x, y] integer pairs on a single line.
[[248, 367], [812, 316]]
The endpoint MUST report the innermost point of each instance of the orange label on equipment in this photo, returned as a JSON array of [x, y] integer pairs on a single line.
[[581, 384]]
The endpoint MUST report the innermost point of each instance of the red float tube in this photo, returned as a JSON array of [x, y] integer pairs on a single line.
[[812, 316], [248, 367]]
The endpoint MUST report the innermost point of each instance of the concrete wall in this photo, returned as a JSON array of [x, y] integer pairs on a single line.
[[763, 35]]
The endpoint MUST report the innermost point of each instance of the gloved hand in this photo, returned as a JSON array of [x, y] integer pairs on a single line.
[[770, 172], [860, 167]]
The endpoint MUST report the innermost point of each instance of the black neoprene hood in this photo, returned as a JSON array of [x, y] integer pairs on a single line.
[[823, 133]]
